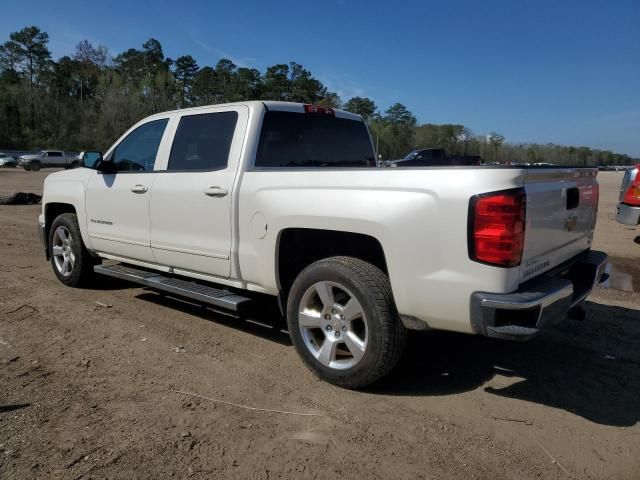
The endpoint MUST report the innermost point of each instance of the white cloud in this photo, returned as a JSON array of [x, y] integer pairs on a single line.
[[342, 84], [241, 62]]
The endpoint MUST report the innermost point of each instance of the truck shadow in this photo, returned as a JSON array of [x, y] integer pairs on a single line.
[[590, 368], [262, 325]]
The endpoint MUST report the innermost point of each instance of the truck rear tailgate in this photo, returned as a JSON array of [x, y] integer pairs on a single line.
[[562, 205]]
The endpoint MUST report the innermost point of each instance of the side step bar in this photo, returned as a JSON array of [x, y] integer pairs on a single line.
[[195, 291]]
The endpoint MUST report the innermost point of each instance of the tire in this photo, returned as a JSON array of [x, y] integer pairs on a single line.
[[365, 338], [71, 261], [35, 166]]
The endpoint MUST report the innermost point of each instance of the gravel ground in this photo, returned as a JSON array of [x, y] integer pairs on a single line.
[[89, 390]]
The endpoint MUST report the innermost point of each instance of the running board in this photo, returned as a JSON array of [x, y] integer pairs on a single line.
[[184, 288]]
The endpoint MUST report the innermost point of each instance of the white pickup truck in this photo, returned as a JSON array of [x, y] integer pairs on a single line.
[[222, 203], [47, 158]]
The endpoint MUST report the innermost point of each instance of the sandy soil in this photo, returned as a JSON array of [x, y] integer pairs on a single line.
[[88, 391]]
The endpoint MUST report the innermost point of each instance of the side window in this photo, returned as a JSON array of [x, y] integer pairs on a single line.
[[137, 152], [202, 142], [55, 154]]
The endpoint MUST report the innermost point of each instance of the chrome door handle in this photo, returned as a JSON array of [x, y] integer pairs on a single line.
[[139, 189], [216, 191]]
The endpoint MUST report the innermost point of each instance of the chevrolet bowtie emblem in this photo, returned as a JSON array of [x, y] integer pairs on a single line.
[[570, 224]]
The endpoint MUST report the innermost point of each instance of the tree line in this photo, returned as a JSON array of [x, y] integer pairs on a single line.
[[88, 99]]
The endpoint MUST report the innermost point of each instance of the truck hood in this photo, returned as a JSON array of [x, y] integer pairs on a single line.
[[80, 174], [29, 157]]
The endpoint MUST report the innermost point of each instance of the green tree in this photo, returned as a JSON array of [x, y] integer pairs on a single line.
[[186, 69], [31, 53], [89, 60], [246, 85], [363, 106], [276, 82], [402, 129], [495, 140], [225, 75], [205, 87]]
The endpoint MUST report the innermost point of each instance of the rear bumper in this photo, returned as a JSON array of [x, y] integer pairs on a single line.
[[627, 214], [539, 302]]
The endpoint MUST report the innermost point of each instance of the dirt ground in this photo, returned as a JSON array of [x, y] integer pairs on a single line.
[[88, 391]]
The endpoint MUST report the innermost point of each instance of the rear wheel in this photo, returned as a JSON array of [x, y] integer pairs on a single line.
[[343, 322], [35, 166], [71, 261]]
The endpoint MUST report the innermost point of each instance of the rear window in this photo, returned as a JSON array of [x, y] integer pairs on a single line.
[[290, 139], [203, 141]]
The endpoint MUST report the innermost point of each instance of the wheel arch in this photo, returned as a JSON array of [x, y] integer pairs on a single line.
[[297, 248], [51, 212]]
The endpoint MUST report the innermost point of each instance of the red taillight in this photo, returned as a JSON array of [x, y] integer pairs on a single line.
[[496, 227], [632, 195], [318, 110]]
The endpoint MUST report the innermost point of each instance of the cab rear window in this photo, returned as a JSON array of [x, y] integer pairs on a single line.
[[290, 139]]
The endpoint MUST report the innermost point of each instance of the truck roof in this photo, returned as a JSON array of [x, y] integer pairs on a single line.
[[269, 104]]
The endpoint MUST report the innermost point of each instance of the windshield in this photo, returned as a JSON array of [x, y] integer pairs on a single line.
[[412, 155], [290, 139]]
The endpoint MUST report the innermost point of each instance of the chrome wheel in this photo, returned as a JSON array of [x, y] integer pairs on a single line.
[[333, 325], [62, 251]]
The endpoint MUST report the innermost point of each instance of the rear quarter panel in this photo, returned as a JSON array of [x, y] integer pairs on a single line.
[[419, 216]]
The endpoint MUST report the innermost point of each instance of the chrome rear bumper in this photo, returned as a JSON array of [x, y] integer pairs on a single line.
[[538, 302], [627, 214]]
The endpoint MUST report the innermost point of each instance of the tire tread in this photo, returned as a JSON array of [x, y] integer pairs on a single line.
[[394, 335]]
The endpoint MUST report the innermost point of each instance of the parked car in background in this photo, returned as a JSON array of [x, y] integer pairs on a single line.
[[434, 157], [628, 209], [7, 161], [48, 158]]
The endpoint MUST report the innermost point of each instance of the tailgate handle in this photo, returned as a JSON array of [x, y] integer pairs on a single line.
[[573, 198]]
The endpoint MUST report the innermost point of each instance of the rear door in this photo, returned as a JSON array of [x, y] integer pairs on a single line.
[[562, 205], [56, 159], [192, 198]]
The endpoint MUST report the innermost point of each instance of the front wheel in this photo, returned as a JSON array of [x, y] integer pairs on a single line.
[[71, 261], [343, 322], [35, 166]]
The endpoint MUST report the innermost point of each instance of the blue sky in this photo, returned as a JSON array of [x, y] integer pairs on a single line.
[[558, 71]]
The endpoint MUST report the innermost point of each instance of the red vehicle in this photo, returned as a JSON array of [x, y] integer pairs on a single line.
[[628, 210]]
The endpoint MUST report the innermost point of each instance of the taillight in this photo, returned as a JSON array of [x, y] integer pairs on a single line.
[[496, 227], [317, 109], [632, 195]]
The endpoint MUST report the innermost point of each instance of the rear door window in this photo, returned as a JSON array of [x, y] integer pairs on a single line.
[[203, 142], [290, 139]]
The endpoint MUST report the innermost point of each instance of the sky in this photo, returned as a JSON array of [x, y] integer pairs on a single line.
[[563, 71]]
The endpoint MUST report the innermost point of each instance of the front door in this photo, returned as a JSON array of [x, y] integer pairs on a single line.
[[191, 202], [117, 204]]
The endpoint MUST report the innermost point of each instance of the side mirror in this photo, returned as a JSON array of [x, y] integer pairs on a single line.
[[92, 160]]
